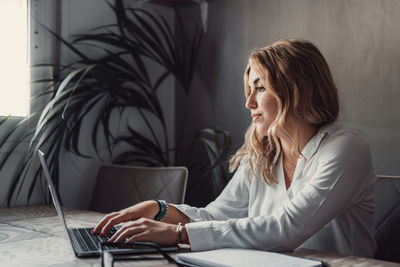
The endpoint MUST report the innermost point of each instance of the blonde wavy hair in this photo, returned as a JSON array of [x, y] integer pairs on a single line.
[[299, 78]]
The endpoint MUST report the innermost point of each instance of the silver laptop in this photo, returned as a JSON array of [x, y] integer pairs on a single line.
[[83, 242]]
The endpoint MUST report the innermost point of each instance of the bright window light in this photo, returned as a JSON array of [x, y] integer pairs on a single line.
[[14, 87]]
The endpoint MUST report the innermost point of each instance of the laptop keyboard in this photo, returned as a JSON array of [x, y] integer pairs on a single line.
[[91, 242]]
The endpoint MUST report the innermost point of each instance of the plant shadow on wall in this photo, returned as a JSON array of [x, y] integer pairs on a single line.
[[90, 94]]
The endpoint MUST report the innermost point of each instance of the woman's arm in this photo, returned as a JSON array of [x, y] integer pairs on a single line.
[[232, 203], [142, 226], [175, 216], [146, 209]]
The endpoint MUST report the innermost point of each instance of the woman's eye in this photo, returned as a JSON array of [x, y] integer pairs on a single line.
[[260, 89]]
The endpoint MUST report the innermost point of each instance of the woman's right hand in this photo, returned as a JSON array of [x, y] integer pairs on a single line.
[[147, 209]]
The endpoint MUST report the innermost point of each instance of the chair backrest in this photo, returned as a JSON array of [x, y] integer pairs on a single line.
[[387, 218], [118, 186]]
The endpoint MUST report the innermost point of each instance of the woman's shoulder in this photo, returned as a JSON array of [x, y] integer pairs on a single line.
[[344, 148], [244, 165], [246, 170], [341, 139]]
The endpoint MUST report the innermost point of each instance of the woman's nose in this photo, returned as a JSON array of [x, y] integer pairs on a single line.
[[251, 103]]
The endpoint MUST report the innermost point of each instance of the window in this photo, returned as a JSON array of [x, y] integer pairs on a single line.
[[14, 73]]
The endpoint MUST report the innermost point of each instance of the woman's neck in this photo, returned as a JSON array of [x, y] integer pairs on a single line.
[[306, 131]]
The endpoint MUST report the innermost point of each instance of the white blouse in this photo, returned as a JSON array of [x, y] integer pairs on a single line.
[[329, 205]]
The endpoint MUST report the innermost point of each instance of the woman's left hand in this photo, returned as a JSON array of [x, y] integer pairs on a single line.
[[148, 230]]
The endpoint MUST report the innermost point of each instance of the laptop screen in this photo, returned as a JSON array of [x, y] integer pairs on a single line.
[[53, 191]]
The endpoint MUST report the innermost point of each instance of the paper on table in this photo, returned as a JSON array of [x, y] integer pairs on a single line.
[[232, 257]]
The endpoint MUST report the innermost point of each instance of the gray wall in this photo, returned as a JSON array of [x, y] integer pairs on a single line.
[[359, 38]]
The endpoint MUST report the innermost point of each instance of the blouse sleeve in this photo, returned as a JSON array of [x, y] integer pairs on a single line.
[[231, 203], [336, 185]]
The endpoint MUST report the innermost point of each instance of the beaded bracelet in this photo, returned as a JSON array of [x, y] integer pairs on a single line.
[[163, 205]]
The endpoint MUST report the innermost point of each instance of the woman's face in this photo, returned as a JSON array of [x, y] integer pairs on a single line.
[[263, 105]]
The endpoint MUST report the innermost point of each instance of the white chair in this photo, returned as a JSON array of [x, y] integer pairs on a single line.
[[387, 218], [119, 186]]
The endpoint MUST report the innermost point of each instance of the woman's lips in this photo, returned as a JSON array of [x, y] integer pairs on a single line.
[[255, 116]]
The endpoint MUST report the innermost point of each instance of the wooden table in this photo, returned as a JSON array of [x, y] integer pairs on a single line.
[[33, 236]]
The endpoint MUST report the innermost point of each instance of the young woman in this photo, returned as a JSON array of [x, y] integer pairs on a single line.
[[301, 179]]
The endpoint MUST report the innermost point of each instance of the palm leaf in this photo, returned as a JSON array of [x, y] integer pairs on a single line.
[[218, 145], [114, 83]]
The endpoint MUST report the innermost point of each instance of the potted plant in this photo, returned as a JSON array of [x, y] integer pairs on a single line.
[[114, 83]]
